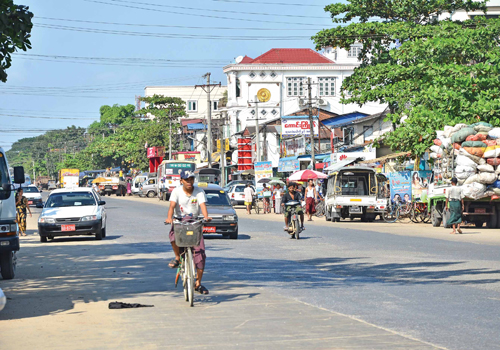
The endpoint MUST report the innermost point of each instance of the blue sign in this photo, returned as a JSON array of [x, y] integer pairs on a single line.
[[400, 184], [285, 166]]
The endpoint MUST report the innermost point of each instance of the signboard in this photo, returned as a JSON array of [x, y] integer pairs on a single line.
[[180, 166], [400, 184], [288, 165], [262, 170], [298, 126], [345, 155], [156, 152], [294, 147], [420, 181]]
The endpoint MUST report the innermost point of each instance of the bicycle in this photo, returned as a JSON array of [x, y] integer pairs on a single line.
[[320, 208], [391, 213], [187, 235], [419, 212], [256, 204]]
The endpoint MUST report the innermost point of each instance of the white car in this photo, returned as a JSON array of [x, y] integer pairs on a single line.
[[33, 196], [72, 212], [236, 193]]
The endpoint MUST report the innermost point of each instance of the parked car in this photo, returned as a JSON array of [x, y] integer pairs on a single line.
[[73, 212], [237, 195], [136, 184], [237, 182], [51, 185], [224, 218], [148, 188], [33, 196]]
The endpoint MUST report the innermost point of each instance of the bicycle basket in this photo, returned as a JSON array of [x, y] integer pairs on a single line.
[[188, 234]]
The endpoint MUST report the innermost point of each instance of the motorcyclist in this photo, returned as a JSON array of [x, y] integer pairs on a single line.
[[293, 196]]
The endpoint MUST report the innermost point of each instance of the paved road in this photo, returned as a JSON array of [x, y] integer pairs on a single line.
[[338, 287]]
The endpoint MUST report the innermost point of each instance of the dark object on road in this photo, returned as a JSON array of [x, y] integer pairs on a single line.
[[120, 305]]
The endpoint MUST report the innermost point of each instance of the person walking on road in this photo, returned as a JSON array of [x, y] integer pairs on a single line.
[[278, 193], [187, 200], [249, 193], [311, 198], [455, 204], [21, 207]]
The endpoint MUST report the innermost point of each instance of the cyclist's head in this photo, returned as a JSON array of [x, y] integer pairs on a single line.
[[187, 178]]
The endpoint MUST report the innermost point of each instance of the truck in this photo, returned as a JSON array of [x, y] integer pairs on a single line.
[[113, 185], [69, 178], [355, 192], [43, 182], [9, 231]]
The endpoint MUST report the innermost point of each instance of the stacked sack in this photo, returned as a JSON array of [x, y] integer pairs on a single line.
[[476, 149]]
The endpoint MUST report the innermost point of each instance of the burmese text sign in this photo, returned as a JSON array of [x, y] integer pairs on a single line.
[[291, 126]]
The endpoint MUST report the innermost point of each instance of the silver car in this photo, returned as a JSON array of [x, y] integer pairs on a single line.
[[148, 188]]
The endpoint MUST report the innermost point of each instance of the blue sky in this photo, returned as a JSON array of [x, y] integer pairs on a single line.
[[160, 35]]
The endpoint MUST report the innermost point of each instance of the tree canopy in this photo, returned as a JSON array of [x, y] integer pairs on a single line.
[[432, 72], [15, 29]]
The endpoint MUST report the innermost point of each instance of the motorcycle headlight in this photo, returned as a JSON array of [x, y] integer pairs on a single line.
[[89, 218], [228, 217], [45, 220]]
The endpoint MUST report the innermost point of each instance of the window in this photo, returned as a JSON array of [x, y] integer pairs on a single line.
[[192, 106], [367, 131], [295, 86], [252, 75], [215, 105], [354, 51], [326, 86]]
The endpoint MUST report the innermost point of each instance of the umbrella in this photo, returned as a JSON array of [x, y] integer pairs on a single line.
[[264, 180], [277, 182], [304, 175]]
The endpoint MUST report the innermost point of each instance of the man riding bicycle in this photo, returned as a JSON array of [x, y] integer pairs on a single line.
[[187, 201], [293, 196]]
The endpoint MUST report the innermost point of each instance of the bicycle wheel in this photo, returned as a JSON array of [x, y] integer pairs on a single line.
[[296, 228], [391, 214], [320, 209], [414, 215], [184, 277], [190, 277], [257, 207]]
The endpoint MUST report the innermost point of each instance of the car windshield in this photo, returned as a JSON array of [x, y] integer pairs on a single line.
[[70, 199], [30, 190], [216, 198], [239, 189]]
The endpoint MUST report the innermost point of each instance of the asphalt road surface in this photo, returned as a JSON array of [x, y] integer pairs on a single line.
[[340, 286]]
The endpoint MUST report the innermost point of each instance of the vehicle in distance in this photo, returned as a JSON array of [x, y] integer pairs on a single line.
[[236, 182], [224, 218], [33, 196], [72, 212], [148, 188], [237, 194]]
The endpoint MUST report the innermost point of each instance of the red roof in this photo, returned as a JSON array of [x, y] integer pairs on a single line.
[[288, 56], [246, 59]]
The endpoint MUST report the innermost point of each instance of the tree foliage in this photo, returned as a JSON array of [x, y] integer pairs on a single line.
[[431, 72], [15, 29]]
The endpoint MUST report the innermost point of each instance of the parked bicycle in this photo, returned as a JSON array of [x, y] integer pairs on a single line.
[[419, 212], [257, 204], [187, 235], [320, 208]]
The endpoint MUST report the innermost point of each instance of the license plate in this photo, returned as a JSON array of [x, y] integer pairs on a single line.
[[480, 210], [68, 228], [209, 229], [30, 202], [355, 209]]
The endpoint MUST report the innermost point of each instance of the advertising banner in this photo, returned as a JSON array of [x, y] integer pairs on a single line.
[[262, 170], [420, 181], [400, 183], [294, 147], [298, 126], [288, 165], [345, 155]]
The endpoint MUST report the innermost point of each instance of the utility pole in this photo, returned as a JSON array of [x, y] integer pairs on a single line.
[[310, 109], [223, 151], [208, 89], [170, 136], [34, 176]]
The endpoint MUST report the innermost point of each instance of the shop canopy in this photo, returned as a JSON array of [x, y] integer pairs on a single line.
[[341, 164]]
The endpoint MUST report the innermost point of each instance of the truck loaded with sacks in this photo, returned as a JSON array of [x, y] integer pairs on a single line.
[[471, 153]]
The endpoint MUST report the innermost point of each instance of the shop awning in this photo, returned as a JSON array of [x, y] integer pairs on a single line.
[[341, 164], [385, 158]]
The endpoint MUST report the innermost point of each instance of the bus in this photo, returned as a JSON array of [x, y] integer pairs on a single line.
[[168, 176]]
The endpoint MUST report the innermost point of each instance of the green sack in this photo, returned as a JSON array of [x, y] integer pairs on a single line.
[[474, 144], [488, 125], [462, 134]]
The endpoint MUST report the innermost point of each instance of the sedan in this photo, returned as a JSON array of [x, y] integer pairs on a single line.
[[33, 196], [237, 193], [72, 212], [224, 218]]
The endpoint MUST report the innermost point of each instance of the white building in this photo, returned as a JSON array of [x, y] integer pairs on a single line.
[[278, 79], [195, 98], [493, 7]]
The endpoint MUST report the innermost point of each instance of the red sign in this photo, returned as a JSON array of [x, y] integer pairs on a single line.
[[68, 228], [156, 152], [343, 157], [209, 229]]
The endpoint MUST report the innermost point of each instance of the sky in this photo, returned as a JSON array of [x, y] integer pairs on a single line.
[[89, 53]]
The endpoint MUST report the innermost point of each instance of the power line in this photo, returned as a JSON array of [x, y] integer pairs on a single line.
[[199, 15], [268, 3], [44, 117]]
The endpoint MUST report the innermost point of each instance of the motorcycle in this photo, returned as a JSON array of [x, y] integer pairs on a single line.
[[294, 227]]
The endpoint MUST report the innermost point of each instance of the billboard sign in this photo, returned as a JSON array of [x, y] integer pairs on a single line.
[[292, 165], [262, 170], [420, 181], [294, 147], [400, 184], [298, 126]]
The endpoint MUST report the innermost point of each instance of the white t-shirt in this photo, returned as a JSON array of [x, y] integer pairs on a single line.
[[187, 204], [249, 192], [277, 193]]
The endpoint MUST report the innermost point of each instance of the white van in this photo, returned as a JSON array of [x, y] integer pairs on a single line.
[[9, 234]]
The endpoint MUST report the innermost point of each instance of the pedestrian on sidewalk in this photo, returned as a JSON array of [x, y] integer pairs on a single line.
[[249, 193], [21, 207], [455, 204], [278, 192], [311, 199]]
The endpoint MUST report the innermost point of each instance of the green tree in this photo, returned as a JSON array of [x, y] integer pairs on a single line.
[[15, 29], [431, 72]]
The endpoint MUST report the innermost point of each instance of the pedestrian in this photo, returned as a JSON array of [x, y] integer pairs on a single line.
[[249, 193], [311, 198], [455, 205], [21, 207], [278, 192]]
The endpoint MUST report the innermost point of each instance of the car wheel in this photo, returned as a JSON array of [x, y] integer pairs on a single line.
[[43, 239], [8, 262], [98, 234], [234, 235], [151, 194], [103, 230]]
